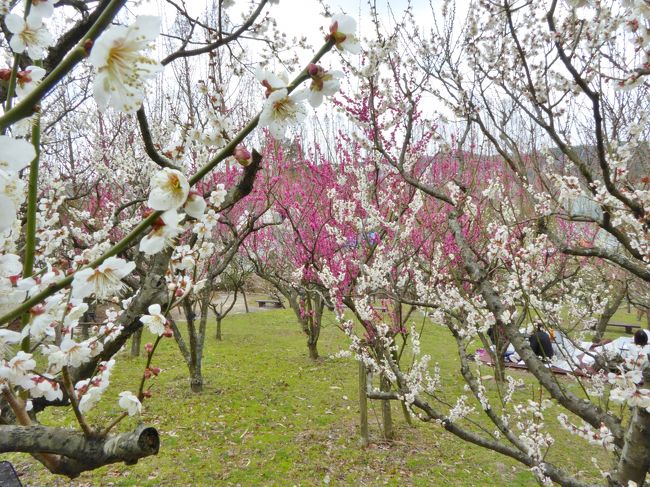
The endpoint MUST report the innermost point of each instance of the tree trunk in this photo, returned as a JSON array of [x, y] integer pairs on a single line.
[[136, 340], [243, 293], [313, 349], [500, 365], [635, 457], [406, 413], [219, 327], [196, 378], [386, 414], [196, 339], [612, 305], [363, 406]]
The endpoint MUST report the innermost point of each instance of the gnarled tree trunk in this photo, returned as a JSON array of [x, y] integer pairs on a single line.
[[75, 452], [612, 306]]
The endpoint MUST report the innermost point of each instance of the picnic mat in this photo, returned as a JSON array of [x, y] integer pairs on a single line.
[[484, 357]]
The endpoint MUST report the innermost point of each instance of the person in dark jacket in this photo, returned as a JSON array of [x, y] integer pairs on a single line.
[[540, 342]]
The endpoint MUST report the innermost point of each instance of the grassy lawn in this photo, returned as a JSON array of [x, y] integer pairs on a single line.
[[270, 416]]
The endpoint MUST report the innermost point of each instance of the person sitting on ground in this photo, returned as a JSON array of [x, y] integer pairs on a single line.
[[641, 338], [540, 342]]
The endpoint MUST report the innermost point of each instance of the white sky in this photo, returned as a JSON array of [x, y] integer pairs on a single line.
[[304, 17]]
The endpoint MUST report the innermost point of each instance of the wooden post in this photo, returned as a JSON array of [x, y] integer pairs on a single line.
[[363, 405], [136, 340], [386, 415]]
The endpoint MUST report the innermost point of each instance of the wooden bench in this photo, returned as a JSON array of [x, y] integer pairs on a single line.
[[8, 476], [271, 303], [628, 327]]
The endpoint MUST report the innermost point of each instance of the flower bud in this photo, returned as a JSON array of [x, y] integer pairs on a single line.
[[148, 348], [242, 155], [314, 70], [39, 309]]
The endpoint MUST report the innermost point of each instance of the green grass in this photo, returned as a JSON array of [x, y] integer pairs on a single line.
[[270, 416]]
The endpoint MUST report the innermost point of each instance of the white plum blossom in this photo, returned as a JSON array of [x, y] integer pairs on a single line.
[[90, 391], [640, 398], [15, 154], [75, 353], [281, 111], [43, 326], [183, 259], [104, 281], [195, 205], [45, 386], [17, 370], [90, 396], [28, 35], [12, 194], [28, 79], [270, 81], [155, 320], [42, 8], [121, 67], [10, 265], [69, 354], [8, 338], [163, 232], [130, 403], [323, 83], [169, 190], [343, 33], [218, 196]]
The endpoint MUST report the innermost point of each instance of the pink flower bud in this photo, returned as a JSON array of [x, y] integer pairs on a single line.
[[168, 332], [242, 155], [314, 70], [148, 348]]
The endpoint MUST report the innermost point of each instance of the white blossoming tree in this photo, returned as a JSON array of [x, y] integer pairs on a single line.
[[93, 202], [537, 164]]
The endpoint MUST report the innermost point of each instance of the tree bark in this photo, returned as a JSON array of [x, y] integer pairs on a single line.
[[136, 340], [219, 327], [313, 350], [363, 406], [196, 377], [79, 453], [611, 308], [634, 462], [243, 293], [386, 414], [196, 340]]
